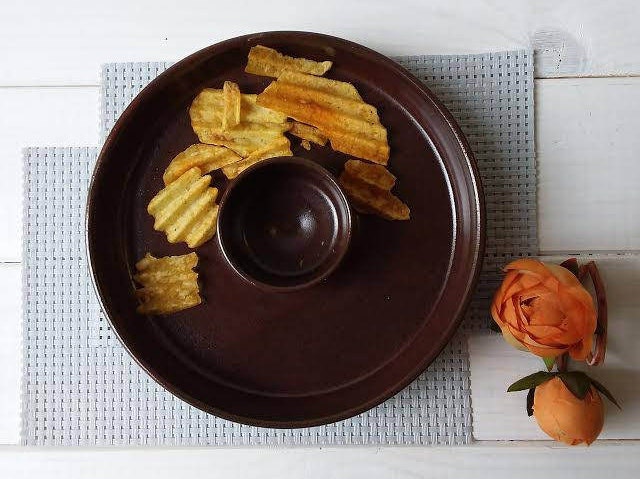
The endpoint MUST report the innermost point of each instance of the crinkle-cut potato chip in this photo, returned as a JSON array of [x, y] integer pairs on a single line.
[[352, 126], [370, 199], [245, 138], [169, 284], [185, 209], [308, 133], [280, 147], [232, 101], [208, 105], [258, 127], [271, 63], [376, 175], [206, 158], [321, 84]]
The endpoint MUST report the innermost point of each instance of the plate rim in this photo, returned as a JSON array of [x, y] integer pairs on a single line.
[[478, 243]]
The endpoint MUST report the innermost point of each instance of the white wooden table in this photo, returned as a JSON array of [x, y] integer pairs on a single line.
[[587, 141]]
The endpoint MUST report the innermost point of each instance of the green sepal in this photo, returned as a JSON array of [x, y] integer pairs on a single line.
[[530, 396], [531, 381], [600, 387], [577, 382], [549, 362]]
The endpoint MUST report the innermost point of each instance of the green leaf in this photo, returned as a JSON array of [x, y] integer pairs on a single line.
[[577, 382], [600, 387], [530, 396], [531, 381], [549, 362]]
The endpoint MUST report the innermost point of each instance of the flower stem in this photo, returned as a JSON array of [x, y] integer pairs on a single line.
[[562, 362]]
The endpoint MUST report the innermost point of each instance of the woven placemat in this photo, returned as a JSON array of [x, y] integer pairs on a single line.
[[81, 388]]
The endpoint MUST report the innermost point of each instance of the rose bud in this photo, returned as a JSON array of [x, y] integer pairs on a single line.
[[565, 417]]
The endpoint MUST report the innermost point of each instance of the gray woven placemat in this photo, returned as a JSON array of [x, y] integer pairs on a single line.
[[81, 388]]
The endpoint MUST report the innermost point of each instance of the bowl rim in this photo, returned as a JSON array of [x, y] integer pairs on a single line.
[[344, 206]]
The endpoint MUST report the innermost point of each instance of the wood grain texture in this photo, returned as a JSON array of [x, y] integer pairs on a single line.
[[586, 131], [498, 415], [64, 43], [65, 116], [497, 462], [10, 352], [587, 145]]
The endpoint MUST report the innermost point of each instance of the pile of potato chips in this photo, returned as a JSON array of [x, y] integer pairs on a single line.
[[237, 130]]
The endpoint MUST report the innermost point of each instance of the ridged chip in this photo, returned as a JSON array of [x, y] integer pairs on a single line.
[[308, 133], [168, 284], [352, 126], [207, 158], [326, 85], [185, 209], [376, 175], [280, 147], [269, 62], [370, 199], [258, 127], [232, 100]]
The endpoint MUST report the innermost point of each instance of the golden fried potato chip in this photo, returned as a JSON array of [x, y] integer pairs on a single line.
[[271, 63], [305, 144], [376, 175], [280, 147], [321, 84], [231, 110], [185, 209], [258, 127], [169, 284], [308, 133], [207, 158], [352, 126], [368, 198]]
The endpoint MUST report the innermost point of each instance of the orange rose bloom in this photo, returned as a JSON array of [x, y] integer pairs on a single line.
[[543, 307], [566, 418]]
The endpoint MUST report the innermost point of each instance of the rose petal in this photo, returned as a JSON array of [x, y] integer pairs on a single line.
[[527, 265], [533, 292], [515, 332], [581, 350], [522, 282], [547, 311], [522, 320], [542, 350], [509, 338], [581, 319], [546, 333], [563, 275], [508, 280]]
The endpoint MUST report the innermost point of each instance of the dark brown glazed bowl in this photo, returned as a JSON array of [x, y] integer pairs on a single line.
[[315, 355], [284, 224]]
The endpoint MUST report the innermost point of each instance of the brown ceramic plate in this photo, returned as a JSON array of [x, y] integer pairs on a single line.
[[319, 354]]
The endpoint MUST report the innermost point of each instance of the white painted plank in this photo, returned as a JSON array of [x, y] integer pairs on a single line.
[[65, 116], [588, 168], [498, 462], [10, 352], [65, 42], [498, 415], [586, 147]]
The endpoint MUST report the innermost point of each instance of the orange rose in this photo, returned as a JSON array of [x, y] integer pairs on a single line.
[[543, 307], [566, 418]]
